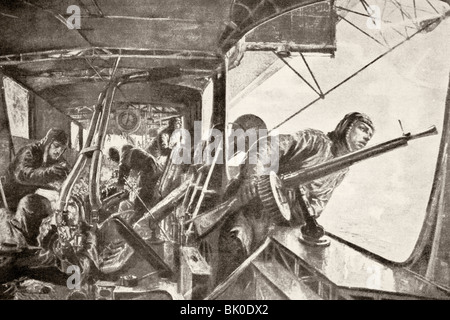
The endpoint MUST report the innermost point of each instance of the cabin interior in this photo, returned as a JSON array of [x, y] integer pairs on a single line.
[[111, 73]]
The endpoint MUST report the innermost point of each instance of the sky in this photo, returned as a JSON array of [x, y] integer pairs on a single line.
[[382, 202]]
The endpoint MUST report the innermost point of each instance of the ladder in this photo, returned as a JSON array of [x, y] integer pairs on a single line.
[[199, 187]]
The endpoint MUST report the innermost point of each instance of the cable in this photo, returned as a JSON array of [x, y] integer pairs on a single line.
[[355, 73]]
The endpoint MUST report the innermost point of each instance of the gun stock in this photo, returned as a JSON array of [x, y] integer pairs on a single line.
[[207, 221]]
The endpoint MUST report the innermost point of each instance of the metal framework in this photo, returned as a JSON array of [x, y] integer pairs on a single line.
[[103, 53], [406, 37]]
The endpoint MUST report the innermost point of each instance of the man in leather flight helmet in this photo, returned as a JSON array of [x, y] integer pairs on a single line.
[[36, 165], [306, 148]]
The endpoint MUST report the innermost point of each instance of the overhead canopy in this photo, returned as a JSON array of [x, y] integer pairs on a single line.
[[68, 67], [168, 25], [68, 61], [210, 26]]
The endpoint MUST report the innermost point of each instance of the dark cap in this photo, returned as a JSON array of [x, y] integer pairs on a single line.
[[173, 121], [55, 135], [351, 118]]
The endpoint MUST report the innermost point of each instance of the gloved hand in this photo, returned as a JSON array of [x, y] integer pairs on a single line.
[[109, 191], [59, 170], [248, 191], [64, 250]]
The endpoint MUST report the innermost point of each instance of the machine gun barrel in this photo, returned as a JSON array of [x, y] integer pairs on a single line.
[[312, 173]]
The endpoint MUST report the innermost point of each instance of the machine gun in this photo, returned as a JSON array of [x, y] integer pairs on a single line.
[[271, 189]]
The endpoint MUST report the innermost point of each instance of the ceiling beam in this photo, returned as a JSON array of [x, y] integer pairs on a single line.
[[61, 55]]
